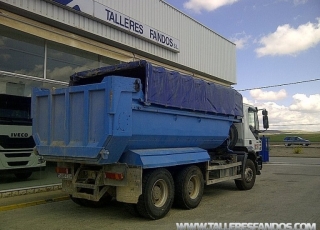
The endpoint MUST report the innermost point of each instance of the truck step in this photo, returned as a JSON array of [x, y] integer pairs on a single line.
[[82, 185], [218, 171], [217, 180], [214, 166]]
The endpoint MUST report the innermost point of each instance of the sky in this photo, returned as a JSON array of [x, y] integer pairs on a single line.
[[278, 43]]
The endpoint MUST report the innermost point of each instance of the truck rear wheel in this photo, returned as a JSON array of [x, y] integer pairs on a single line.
[[132, 209], [23, 176], [189, 185], [157, 194], [78, 201], [249, 177], [105, 200]]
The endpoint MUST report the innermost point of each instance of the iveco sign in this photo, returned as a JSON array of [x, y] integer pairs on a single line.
[[123, 22], [19, 135]]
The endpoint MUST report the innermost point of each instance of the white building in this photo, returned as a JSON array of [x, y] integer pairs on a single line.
[[43, 42]]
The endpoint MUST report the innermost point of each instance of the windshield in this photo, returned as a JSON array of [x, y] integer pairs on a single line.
[[15, 108], [253, 119]]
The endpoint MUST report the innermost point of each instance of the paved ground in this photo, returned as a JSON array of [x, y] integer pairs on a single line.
[[48, 177], [279, 150], [41, 178], [286, 192]]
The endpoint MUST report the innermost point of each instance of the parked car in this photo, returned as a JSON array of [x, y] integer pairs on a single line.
[[295, 141]]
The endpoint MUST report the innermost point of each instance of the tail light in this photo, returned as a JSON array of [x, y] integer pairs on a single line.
[[114, 175], [63, 170]]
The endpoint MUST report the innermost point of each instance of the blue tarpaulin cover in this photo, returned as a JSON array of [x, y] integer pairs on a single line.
[[170, 88]]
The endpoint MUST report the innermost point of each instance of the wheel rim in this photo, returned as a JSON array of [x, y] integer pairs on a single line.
[[248, 175], [193, 187], [159, 193]]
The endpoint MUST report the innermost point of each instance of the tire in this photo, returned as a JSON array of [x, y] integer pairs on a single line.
[[104, 201], [157, 194], [78, 201], [189, 185], [249, 179], [233, 136], [132, 209], [23, 176]]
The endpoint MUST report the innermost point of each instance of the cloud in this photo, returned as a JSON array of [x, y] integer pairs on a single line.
[[282, 118], [287, 40], [306, 104], [208, 5], [258, 94], [36, 71], [299, 2], [2, 41], [302, 114], [5, 57], [241, 40], [63, 73]]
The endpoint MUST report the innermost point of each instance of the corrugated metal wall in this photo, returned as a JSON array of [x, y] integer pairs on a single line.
[[200, 48]]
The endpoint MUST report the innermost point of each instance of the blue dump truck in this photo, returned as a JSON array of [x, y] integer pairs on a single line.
[[145, 136]]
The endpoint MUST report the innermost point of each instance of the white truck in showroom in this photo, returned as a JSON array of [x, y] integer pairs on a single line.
[[16, 142]]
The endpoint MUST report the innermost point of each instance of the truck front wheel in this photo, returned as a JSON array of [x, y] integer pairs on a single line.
[[189, 186], [248, 178], [157, 194], [233, 136]]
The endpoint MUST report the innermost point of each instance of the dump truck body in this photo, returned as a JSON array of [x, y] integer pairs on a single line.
[[97, 123], [129, 131]]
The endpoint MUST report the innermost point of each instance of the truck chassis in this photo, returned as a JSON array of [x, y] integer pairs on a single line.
[[151, 192]]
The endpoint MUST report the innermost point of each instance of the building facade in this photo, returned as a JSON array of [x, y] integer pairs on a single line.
[[43, 42]]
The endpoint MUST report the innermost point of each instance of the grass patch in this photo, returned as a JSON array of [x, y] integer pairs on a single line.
[[297, 150], [312, 137]]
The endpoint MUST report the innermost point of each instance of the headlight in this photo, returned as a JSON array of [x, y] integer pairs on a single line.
[[41, 160]]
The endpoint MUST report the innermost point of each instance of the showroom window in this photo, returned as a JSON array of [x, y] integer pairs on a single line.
[[21, 53], [24, 57], [27, 61], [63, 61]]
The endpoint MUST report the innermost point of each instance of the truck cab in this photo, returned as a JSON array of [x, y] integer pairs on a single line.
[[248, 132]]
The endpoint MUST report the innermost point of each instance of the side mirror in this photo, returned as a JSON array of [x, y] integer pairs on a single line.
[[265, 112], [265, 119]]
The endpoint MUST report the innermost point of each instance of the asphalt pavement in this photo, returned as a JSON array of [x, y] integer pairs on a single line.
[[285, 192], [51, 192]]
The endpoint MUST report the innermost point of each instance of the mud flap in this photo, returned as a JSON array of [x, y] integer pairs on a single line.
[[131, 192]]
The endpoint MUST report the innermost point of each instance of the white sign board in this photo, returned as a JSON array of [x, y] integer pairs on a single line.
[[123, 22]]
